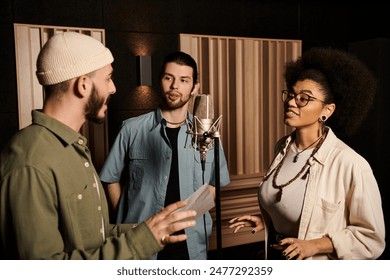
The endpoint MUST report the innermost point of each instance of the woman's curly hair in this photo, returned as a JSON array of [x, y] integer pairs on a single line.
[[346, 81]]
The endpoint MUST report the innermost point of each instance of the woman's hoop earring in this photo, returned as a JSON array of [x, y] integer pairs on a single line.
[[323, 118]]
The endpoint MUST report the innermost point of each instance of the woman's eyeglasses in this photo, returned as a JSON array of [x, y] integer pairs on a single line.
[[301, 98]]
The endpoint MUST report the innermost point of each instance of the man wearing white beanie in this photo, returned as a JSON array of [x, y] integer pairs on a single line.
[[52, 204]]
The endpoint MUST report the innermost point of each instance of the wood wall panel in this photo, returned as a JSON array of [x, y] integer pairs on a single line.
[[245, 77]]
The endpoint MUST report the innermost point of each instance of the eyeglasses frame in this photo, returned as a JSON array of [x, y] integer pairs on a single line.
[[310, 98]]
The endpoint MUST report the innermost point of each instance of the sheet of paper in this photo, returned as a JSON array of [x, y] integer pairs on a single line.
[[201, 201]]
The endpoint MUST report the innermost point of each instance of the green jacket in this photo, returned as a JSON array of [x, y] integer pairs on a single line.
[[52, 204]]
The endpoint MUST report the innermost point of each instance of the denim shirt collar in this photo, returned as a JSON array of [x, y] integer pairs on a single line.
[[158, 119]]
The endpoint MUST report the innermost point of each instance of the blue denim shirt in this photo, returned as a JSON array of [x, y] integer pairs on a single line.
[[140, 159]]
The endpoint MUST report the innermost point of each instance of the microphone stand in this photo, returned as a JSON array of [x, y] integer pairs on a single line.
[[208, 136], [218, 197]]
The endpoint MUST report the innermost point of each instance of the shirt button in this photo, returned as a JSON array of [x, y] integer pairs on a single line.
[[80, 196], [99, 208], [81, 141], [86, 164], [165, 178]]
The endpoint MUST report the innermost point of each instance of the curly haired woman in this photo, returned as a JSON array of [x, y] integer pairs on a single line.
[[319, 198]]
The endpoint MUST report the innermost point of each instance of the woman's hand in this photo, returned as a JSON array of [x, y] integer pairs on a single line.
[[294, 248], [247, 221]]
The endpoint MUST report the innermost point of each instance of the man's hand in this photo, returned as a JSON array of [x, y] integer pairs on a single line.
[[166, 222]]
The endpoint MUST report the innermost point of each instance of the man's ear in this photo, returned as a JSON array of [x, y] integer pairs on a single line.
[[196, 88], [83, 86]]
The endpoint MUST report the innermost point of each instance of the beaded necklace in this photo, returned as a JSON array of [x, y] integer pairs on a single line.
[[279, 166]]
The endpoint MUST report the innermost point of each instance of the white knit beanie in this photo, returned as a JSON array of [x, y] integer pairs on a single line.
[[69, 55]]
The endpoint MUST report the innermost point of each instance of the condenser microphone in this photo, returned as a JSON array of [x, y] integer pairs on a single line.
[[204, 127]]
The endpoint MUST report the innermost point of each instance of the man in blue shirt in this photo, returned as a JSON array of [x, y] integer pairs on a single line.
[[153, 163]]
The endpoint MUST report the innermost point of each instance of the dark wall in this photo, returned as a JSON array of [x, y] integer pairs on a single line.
[[370, 141], [132, 25]]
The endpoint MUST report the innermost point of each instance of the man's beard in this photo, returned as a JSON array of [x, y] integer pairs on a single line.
[[93, 106], [169, 105]]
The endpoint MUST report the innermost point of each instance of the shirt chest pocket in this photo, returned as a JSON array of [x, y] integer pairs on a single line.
[[328, 214], [138, 163]]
